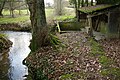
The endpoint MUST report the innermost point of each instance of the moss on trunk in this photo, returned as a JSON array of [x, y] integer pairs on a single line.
[[39, 25]]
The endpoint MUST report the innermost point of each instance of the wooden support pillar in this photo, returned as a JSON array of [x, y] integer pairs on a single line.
[[90, 32], [78, 16]]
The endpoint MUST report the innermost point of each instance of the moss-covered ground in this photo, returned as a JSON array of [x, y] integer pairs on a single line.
[[82, 58]]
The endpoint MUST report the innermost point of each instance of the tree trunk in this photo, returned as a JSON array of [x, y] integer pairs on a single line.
[[76, 7], [91, 2], [86, 2], [19, 9], [100, 2], [78, 3], [2, 3], [11, 8], [82, 3], [58, 4], [39, 25]]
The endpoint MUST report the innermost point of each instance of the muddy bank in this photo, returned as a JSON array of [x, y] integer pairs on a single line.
[[15, 27], [5, 44]]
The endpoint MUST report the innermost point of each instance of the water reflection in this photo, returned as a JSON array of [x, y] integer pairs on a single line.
[[18, 52]]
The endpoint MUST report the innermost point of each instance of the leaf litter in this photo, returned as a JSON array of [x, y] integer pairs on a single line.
[[74, 62]]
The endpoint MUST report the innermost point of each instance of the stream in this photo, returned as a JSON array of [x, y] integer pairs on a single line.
[[11, 66]]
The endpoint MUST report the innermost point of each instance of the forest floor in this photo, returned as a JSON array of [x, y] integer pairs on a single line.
[[81, 58]]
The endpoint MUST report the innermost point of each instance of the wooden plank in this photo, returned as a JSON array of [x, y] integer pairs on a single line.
[[93, 15], [58, 27]]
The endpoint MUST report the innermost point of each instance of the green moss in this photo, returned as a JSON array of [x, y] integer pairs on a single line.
[[70, 26], [96, 48], [105, 61], [113, 72], [94, 8], [55, 42], [66, 77], [2, 35], [107, 69]]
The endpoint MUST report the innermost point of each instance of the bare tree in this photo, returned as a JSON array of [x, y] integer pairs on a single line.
[[91, 2], [58, 4], [11, 9], [2, 3], [86, 2], [82, 3]]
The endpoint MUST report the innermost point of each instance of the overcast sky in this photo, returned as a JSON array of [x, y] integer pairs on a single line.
[[49, 1]]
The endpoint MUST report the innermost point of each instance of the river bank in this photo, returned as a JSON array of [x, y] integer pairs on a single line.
[[11, 66], [81, 58], [15, 27], [5, 44]]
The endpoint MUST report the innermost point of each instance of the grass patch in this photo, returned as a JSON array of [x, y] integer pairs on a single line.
[[49, 12], [16, 12], [7, 20], [21, 18]]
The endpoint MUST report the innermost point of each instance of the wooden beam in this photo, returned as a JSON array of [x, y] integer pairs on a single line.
[[90, 32], [93, 15]]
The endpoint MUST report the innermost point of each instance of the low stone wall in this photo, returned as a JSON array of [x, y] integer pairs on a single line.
[[70, 26]]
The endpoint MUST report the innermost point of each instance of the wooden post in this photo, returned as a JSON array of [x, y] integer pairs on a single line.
[[78, 16], [19, 9], [90, 32]]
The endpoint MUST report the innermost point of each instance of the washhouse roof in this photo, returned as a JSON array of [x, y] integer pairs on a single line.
[[97, 8]]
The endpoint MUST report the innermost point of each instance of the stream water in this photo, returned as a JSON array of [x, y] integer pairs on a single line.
[[11, 67]]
